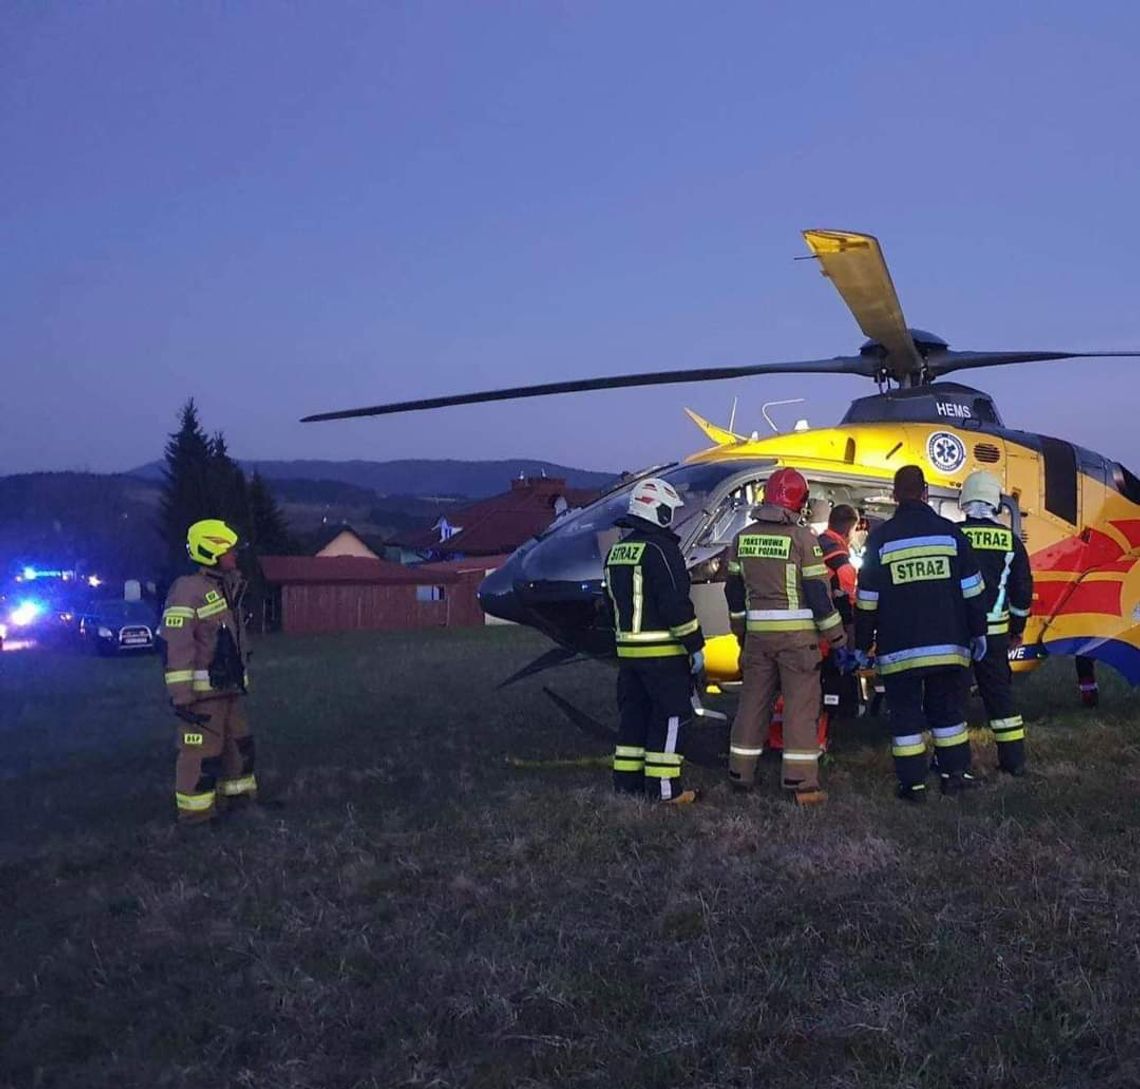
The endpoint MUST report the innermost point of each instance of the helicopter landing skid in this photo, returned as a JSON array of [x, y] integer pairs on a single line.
[[707, 748]]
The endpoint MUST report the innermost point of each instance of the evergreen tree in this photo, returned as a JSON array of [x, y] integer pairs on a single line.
[[268, 532], [228, 487], [186, 491]]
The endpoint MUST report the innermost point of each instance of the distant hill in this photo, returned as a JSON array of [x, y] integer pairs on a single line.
[[108, 522], [102, 523], [417, 477]]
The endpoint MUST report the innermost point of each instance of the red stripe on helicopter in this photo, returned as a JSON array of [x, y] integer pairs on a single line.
[[1086, 597], [1091, 551], [1130, 527]]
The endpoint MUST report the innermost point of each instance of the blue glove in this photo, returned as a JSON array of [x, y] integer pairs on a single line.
[[861, 659], [978, 647], [697, 663]]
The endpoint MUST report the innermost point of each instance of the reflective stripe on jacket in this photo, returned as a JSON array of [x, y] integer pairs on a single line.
[[921, 596], [1004, 564], [777, 580], [647, 589], [197, 608]]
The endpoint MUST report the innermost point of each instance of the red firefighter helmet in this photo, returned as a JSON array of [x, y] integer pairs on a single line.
[[787, 488]]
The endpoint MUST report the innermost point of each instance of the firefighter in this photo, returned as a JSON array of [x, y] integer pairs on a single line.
[[779, 605], [1086, 682], [835, 542], [840, 690], [205, 653], [659, 646], [1004, 564], [920, 603]]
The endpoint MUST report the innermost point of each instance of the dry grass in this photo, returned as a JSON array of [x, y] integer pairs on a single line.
[[421, 914]]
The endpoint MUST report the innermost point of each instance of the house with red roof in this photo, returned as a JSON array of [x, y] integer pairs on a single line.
[[497, 525]]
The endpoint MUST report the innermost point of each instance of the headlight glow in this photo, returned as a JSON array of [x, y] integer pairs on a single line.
[[24, 613], [106, 633]]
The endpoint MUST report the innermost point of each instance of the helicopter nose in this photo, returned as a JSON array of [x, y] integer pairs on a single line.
[[498, 597]]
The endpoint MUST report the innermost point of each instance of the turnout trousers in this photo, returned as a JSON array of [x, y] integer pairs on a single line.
[[995, 686], [215, 760], [774, 663], [934, 700], [655, 705]]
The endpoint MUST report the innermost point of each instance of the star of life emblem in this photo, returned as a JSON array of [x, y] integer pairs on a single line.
[[945, 451]]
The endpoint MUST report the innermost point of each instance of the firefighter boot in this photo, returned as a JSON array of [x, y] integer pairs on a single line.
[[914, 794], [686, 797], [957, 783], [810, 796]]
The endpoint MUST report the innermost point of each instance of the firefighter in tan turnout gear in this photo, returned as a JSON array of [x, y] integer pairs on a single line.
[[205, 653], [780, 604]]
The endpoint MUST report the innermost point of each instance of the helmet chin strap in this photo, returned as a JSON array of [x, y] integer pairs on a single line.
[[979, 509]]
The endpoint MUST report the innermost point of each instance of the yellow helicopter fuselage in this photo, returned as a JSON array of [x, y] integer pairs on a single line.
[[1078, 514]]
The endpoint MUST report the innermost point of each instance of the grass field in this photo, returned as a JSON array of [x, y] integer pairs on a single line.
[[421, 913]]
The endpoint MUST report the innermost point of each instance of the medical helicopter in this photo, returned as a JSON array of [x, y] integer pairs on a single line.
[[1077, 511]]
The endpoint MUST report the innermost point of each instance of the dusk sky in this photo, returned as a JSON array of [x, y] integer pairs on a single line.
[[284, 209]]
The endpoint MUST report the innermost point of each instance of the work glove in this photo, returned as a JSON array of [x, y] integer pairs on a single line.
[[842, 659], [860, 659], [191, 717], [697, 663], [978, 647]]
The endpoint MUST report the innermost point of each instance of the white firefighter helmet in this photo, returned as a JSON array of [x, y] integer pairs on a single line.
[[655, 500], [981, 487]]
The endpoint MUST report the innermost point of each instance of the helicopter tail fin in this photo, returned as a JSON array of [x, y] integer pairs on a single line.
[[720, 435]]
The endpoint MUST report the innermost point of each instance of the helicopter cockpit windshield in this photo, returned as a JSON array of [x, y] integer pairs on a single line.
[[574, 547]]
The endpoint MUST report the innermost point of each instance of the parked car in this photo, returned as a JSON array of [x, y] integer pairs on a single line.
[[117, 627]]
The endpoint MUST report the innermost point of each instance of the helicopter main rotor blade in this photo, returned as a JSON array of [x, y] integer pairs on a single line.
[[854, 263], [945, 362], [843, 364]]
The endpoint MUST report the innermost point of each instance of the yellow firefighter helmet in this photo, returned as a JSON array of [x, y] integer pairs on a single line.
[[207, 541]]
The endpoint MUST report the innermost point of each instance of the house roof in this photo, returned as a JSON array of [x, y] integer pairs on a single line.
[[330, 532], [464, 566], [295, 570], [501, 523]]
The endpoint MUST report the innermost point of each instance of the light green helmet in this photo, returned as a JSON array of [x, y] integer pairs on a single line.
[[981, 487]]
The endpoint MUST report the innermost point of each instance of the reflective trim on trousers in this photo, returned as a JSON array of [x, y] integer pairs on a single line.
[[801, 756], [231, 788], [946, 737], [629, 758], [1009, 729], [738, 750], [195, 803], [908, 745]]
